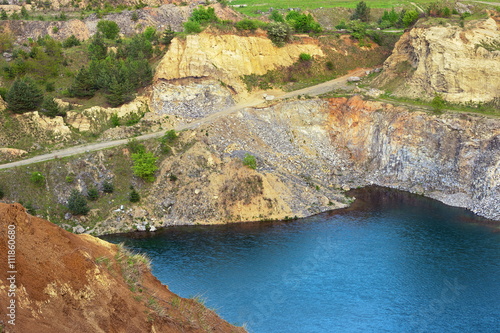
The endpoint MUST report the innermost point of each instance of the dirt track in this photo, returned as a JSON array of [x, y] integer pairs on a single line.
[[252, 101]]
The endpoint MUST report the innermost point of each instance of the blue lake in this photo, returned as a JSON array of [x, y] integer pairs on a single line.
[[394, 262]]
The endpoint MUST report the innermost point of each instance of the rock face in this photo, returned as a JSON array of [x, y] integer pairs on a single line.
[[227, 57], [453, 61], [78, 283]]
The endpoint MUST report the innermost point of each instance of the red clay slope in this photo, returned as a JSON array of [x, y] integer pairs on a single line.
[[76, 283]]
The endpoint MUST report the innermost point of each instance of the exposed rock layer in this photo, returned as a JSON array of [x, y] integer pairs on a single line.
[[453, 61]]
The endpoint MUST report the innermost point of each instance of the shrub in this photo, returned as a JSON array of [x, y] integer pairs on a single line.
[[330, 66], [362, 12], [114, 120], [279, 33], [410, 17], [203, 15], [276, 16], [24, 96], [2, 193], [341, 26], [247, 24], [50, 87], [134, 17], [107, 187], [192, 27], [3, 15], [134, 196], [170, 137], [305, 57], [438, 102], [150, 34], [171, 177], [135, 147], [303, 23], [108, 28], [144, 165], [71, 41], [250, 161], [37, 178], [77, 204], [93, 194]]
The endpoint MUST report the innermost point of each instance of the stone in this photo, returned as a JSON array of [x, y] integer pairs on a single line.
[[354, 79]]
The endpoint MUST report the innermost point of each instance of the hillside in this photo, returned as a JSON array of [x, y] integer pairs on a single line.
[[69, 283]]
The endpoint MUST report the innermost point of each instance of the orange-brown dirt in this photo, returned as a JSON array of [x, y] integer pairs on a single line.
[[75, 283]]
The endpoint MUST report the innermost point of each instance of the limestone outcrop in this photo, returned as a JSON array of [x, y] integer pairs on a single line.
[[227, 57], [449, 60]]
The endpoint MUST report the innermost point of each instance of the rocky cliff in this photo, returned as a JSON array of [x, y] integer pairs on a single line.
[[228, 57], [61, 282], [462, 64]]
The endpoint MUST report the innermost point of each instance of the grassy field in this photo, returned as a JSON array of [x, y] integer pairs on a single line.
[[254, 5]]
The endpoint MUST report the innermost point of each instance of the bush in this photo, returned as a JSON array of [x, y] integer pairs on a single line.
[[276, 16], [279, 33], [37, 178], [305, 57], [303, 23], [362, 12], [134, 17], [144, 165], [108, 28], [107, 187], [2, 193], [93, 194], [24, 96], [192, 27], [71, 41], [341, 26], [77, 204], [410, 17], [330, 66], [150, 34], [438, 102], [250, 161], [203, 15], [51, 109], [170, 137], [247, 24], [114, 120], [134, 196], [135, 147]]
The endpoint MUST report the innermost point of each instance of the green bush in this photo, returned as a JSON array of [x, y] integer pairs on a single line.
[[71, 41], [410, 17], [438, 102], [305, 57], [24, 96], [150, 34], [276, 16], [247, 24], [135, 147], [37, 178], [250, 161], [108, 28], [2, 193], [167, 36], [144, 165], [114, 120], [134, 196], [77, 204], [107, 187], [203, 15], [93, 194], [279, 33], [170, 137], [192, 27], [304, 23]]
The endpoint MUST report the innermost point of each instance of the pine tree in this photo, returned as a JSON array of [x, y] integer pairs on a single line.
[[83, 85], [119, 93], [362, 12], [3, 15], [24, 96], [134, 196], [77, 204]]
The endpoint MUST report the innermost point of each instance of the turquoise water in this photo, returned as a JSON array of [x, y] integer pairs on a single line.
[[394, 263]]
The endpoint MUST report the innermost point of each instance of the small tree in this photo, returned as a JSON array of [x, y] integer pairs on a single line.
[[144, 165], [250, 161], [362, 12], [24, 96], [279, 33], [192, 27], [3, 15], [438, 102], [276, 16], [71, 41], [409, 18], [51, 109], [93, 194], [167, 36], [77, 205], [134, 196], [2, 193], [305, 57], [108, 28], [107, 187]]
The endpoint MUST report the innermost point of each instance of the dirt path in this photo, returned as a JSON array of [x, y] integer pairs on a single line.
[[251, 101]]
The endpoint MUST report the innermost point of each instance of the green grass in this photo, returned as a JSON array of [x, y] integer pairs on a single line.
[[254, 5]]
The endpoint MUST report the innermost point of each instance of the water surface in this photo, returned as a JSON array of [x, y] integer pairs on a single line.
[[396, 262]]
